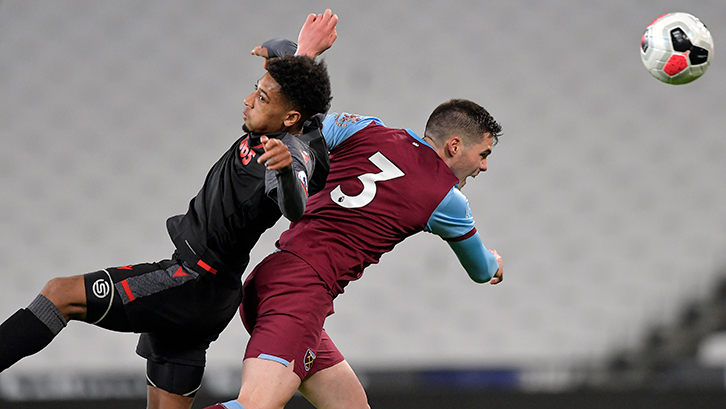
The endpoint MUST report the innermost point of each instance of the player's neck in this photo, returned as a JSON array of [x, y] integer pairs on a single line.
[[439, 151], [296, 131], [431, 142]]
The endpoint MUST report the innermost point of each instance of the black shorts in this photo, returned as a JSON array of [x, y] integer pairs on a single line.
[[178, 311]]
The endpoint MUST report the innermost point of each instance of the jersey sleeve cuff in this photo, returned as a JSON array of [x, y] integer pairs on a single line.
[[464, 237]]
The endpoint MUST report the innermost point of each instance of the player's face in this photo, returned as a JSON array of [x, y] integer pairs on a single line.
[[472, 159], [265, 109]]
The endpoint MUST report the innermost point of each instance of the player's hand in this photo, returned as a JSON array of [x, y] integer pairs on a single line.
[[276, 155], [317, 34], [275, 47], [261, 51], [499, 275]]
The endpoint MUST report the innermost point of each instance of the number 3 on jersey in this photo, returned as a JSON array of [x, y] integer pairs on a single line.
[[388, 171]]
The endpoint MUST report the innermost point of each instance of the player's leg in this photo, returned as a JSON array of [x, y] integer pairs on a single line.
[[270, 385], [31, 329], [284, 306], [68, 294], [336, 387], [90, 297], [267, 384], [187, 312], [332, 383], [171, 384], [158, 398]]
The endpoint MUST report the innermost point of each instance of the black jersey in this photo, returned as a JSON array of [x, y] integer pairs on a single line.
[[236, 204]]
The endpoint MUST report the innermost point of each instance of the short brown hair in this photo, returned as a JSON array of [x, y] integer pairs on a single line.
[[464, 118]]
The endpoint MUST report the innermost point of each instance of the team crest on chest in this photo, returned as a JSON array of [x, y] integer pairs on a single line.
[[309, 359], [343, 120]]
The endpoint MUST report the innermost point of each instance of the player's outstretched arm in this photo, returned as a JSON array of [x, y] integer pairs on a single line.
[[481, 264], [453, 222]]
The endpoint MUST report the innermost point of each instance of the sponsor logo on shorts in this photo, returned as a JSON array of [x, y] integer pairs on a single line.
[[101, 288], [309, 359]]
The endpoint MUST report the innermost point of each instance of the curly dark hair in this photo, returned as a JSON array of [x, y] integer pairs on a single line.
[[304, 82], [466, 118]]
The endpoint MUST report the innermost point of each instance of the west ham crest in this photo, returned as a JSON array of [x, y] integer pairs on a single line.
[[309, 359]]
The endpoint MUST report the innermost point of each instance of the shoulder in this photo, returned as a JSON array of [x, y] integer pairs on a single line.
[[337, 127], [455, 204], [345, 120], [296, 146], [299, 150], [293, 141]]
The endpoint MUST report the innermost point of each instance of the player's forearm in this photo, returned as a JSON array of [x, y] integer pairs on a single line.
[[480, 264], [291, 194], [279, 47]]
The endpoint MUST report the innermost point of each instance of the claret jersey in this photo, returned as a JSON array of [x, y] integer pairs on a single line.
[[384, 185]]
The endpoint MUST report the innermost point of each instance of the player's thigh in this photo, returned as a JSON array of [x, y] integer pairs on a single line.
[[267, 384], [285, 303], [336, 387]]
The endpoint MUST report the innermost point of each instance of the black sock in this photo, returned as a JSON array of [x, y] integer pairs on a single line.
[[28, 331]]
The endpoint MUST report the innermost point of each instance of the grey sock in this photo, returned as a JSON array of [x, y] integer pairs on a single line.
[[48, 313]]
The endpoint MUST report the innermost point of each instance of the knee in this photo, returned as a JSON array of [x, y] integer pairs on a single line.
[[56, 290], [67, 294], [181, 380]]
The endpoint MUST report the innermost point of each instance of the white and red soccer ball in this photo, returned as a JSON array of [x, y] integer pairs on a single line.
[[676, 48]]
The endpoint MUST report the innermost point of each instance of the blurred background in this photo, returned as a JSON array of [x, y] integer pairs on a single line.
[[606, 196]]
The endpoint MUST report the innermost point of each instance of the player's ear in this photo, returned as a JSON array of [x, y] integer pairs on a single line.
[[292, 118], [453, 146]]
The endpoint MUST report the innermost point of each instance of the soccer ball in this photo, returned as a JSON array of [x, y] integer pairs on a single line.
[[676, 48]]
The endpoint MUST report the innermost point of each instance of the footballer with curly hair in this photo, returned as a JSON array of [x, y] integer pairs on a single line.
[[180, 305]]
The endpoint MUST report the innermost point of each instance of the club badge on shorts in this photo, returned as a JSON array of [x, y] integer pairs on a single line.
[[309, 359]]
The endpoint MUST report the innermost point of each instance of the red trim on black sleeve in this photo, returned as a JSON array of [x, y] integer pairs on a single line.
[[464, 237], [127, 289], [206, 266]]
